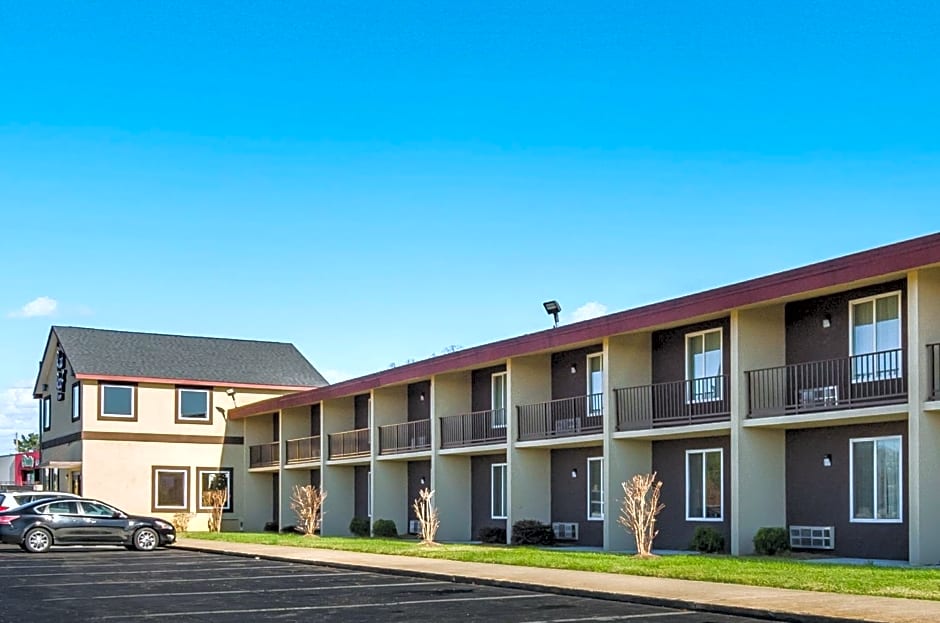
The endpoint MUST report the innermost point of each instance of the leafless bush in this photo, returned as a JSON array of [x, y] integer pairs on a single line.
[[639, 510], [215, 499], [427, 516], [181, 521], [307, 502]]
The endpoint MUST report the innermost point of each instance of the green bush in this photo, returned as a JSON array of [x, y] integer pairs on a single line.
[[359, 526], [708, 540], [532, 532], [384, 528], [770, 541], [493, 534]]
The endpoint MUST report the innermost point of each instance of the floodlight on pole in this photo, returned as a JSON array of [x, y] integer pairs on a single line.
[[552, 308]]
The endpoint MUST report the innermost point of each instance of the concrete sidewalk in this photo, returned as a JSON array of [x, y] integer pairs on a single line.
[[773, 603]]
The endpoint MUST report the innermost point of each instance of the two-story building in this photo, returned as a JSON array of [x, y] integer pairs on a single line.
[[808, 399], [140, 420]]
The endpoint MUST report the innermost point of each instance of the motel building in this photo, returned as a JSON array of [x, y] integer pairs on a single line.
[[808, 399], [141, 420]]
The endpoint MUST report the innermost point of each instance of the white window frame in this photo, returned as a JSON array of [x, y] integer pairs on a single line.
[[496, 423], [76, 398], [875, 375], [603, 489], [691, 397], [587, 365], [179, 405], [229, 473], [156, 488], [369, 494], [45, 412], [122, 416], [875, 440], [504, 483], [721, 484]]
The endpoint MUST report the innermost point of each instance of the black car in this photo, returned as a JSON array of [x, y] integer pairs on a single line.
[[39, 525]]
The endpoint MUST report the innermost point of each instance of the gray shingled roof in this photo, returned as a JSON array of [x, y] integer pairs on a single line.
[[153, 355]]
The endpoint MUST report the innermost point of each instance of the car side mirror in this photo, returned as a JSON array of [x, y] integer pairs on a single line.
[[117, 515]]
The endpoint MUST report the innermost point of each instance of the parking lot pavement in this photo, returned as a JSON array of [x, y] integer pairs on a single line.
[[104, 584]]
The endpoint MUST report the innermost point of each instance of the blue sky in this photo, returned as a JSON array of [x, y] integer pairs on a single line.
[[377, 181]]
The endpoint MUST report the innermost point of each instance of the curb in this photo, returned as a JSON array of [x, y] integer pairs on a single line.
[[768, 615]]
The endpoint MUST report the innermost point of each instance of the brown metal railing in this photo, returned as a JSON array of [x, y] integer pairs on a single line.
[[677, 403], [933, 369], [303, 450], [405, 437], [264, 455], [834, 384], [580, 415], [349, 444], [476, 428]]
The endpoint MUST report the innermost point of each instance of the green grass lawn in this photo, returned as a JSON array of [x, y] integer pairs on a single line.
[[752, 570]]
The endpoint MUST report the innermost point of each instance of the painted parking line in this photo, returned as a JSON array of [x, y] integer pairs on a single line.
[[122, 565], [617, 617], [255, 591], [254, 578], [386, 604], [118, 572]]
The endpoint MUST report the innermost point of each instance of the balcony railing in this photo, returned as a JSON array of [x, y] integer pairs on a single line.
[[405, 437], [264, 455], [933, 368], [471, 429], [846, 383], [580, 415], [303, 450], [349, 444], [677, 403]]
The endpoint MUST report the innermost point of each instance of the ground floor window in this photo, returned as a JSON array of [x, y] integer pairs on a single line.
[[170, 489], [875, 479], [703, 484], [211, 480], [595, 485], [498, 491]]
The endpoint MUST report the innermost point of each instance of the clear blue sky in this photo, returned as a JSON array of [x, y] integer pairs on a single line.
[[377, 181]]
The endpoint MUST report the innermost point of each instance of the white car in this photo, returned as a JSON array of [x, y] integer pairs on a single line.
[[12, 499]]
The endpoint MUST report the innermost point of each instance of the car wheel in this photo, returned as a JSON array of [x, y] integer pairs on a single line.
[[146, 540], [37, 541]]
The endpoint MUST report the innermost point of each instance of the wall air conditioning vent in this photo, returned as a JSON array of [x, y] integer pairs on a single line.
[[812, 537], [414, 526], [566, 425], [565, 531], [819, 397]]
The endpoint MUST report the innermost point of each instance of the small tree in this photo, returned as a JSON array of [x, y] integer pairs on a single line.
[[26, 443], [639, 510], [427, 516], [307, 502], [215, 496]]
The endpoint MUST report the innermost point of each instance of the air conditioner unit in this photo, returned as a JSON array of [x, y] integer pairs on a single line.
[[813, 537], [414, 526], [827, 396], [565, 531], [566, 425]]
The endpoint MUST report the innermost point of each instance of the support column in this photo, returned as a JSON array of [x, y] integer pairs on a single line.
[[450, 474], [294, 422], [338, 480], [389, 478]]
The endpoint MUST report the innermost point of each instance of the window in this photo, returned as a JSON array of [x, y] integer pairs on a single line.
[[117, 401], [76, 402], [595, 484], [369, 492], [498, 491], [595, 384], [62, 507], [45, 412], [215, 480], [96, 509], [875, 340], [170, 489], [703, 365], [875, 466], [704, 483], [499, 399], [193, 405]]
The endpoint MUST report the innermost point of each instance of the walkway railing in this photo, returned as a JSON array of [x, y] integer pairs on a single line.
[[405, 437], [264, 455], [677, 403], [565, 417], [933, 369], [349, 444], [303, 449], [476, 428]]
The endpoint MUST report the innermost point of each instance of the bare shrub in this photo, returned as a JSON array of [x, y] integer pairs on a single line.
[[181, 521], [639, 509], [215, 499], [307, 503], [427, 516]]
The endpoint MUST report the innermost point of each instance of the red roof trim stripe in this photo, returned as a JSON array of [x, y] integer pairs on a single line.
[[198, 382]]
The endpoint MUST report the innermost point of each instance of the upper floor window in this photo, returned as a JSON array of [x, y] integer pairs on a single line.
[[193, 405], [875, 341], [595, 383], [498, 403], [76, 402], [703, 365], [117, 401], [45, 412]]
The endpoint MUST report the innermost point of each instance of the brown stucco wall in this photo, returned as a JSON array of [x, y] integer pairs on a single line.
[[669, 349], [569, 495], [361, 507], [481, 389], [564, 383], [361, 409], [315, 419], [669, 464], [419, 409], [416, 469], [819, 496], [480, 496]]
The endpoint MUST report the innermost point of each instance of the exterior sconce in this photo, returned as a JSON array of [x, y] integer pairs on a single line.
[[574, 368], [423, 480], [421, 397], [574, 472], [230, 392], [827, 460], [827, 321]]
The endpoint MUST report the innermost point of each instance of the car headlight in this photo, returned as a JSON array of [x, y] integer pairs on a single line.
[[163, 525]]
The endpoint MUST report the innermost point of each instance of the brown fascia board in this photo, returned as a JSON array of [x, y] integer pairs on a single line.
[[898, 257]]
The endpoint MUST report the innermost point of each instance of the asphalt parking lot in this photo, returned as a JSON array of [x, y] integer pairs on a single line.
[[103, 584]]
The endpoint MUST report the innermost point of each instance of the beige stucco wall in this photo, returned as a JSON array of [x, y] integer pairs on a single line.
[[389, 478], [450, 475], [338, 480], [529, 480]]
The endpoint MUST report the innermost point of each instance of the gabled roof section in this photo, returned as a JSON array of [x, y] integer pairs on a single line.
[[101, 353], [873, 263]]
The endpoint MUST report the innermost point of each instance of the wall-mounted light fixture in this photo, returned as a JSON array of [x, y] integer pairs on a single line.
[[552, 308], [827, 460], [230, 392], [423, 480], [574, 472], [421, 397], [827, 321], [574, 368]]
